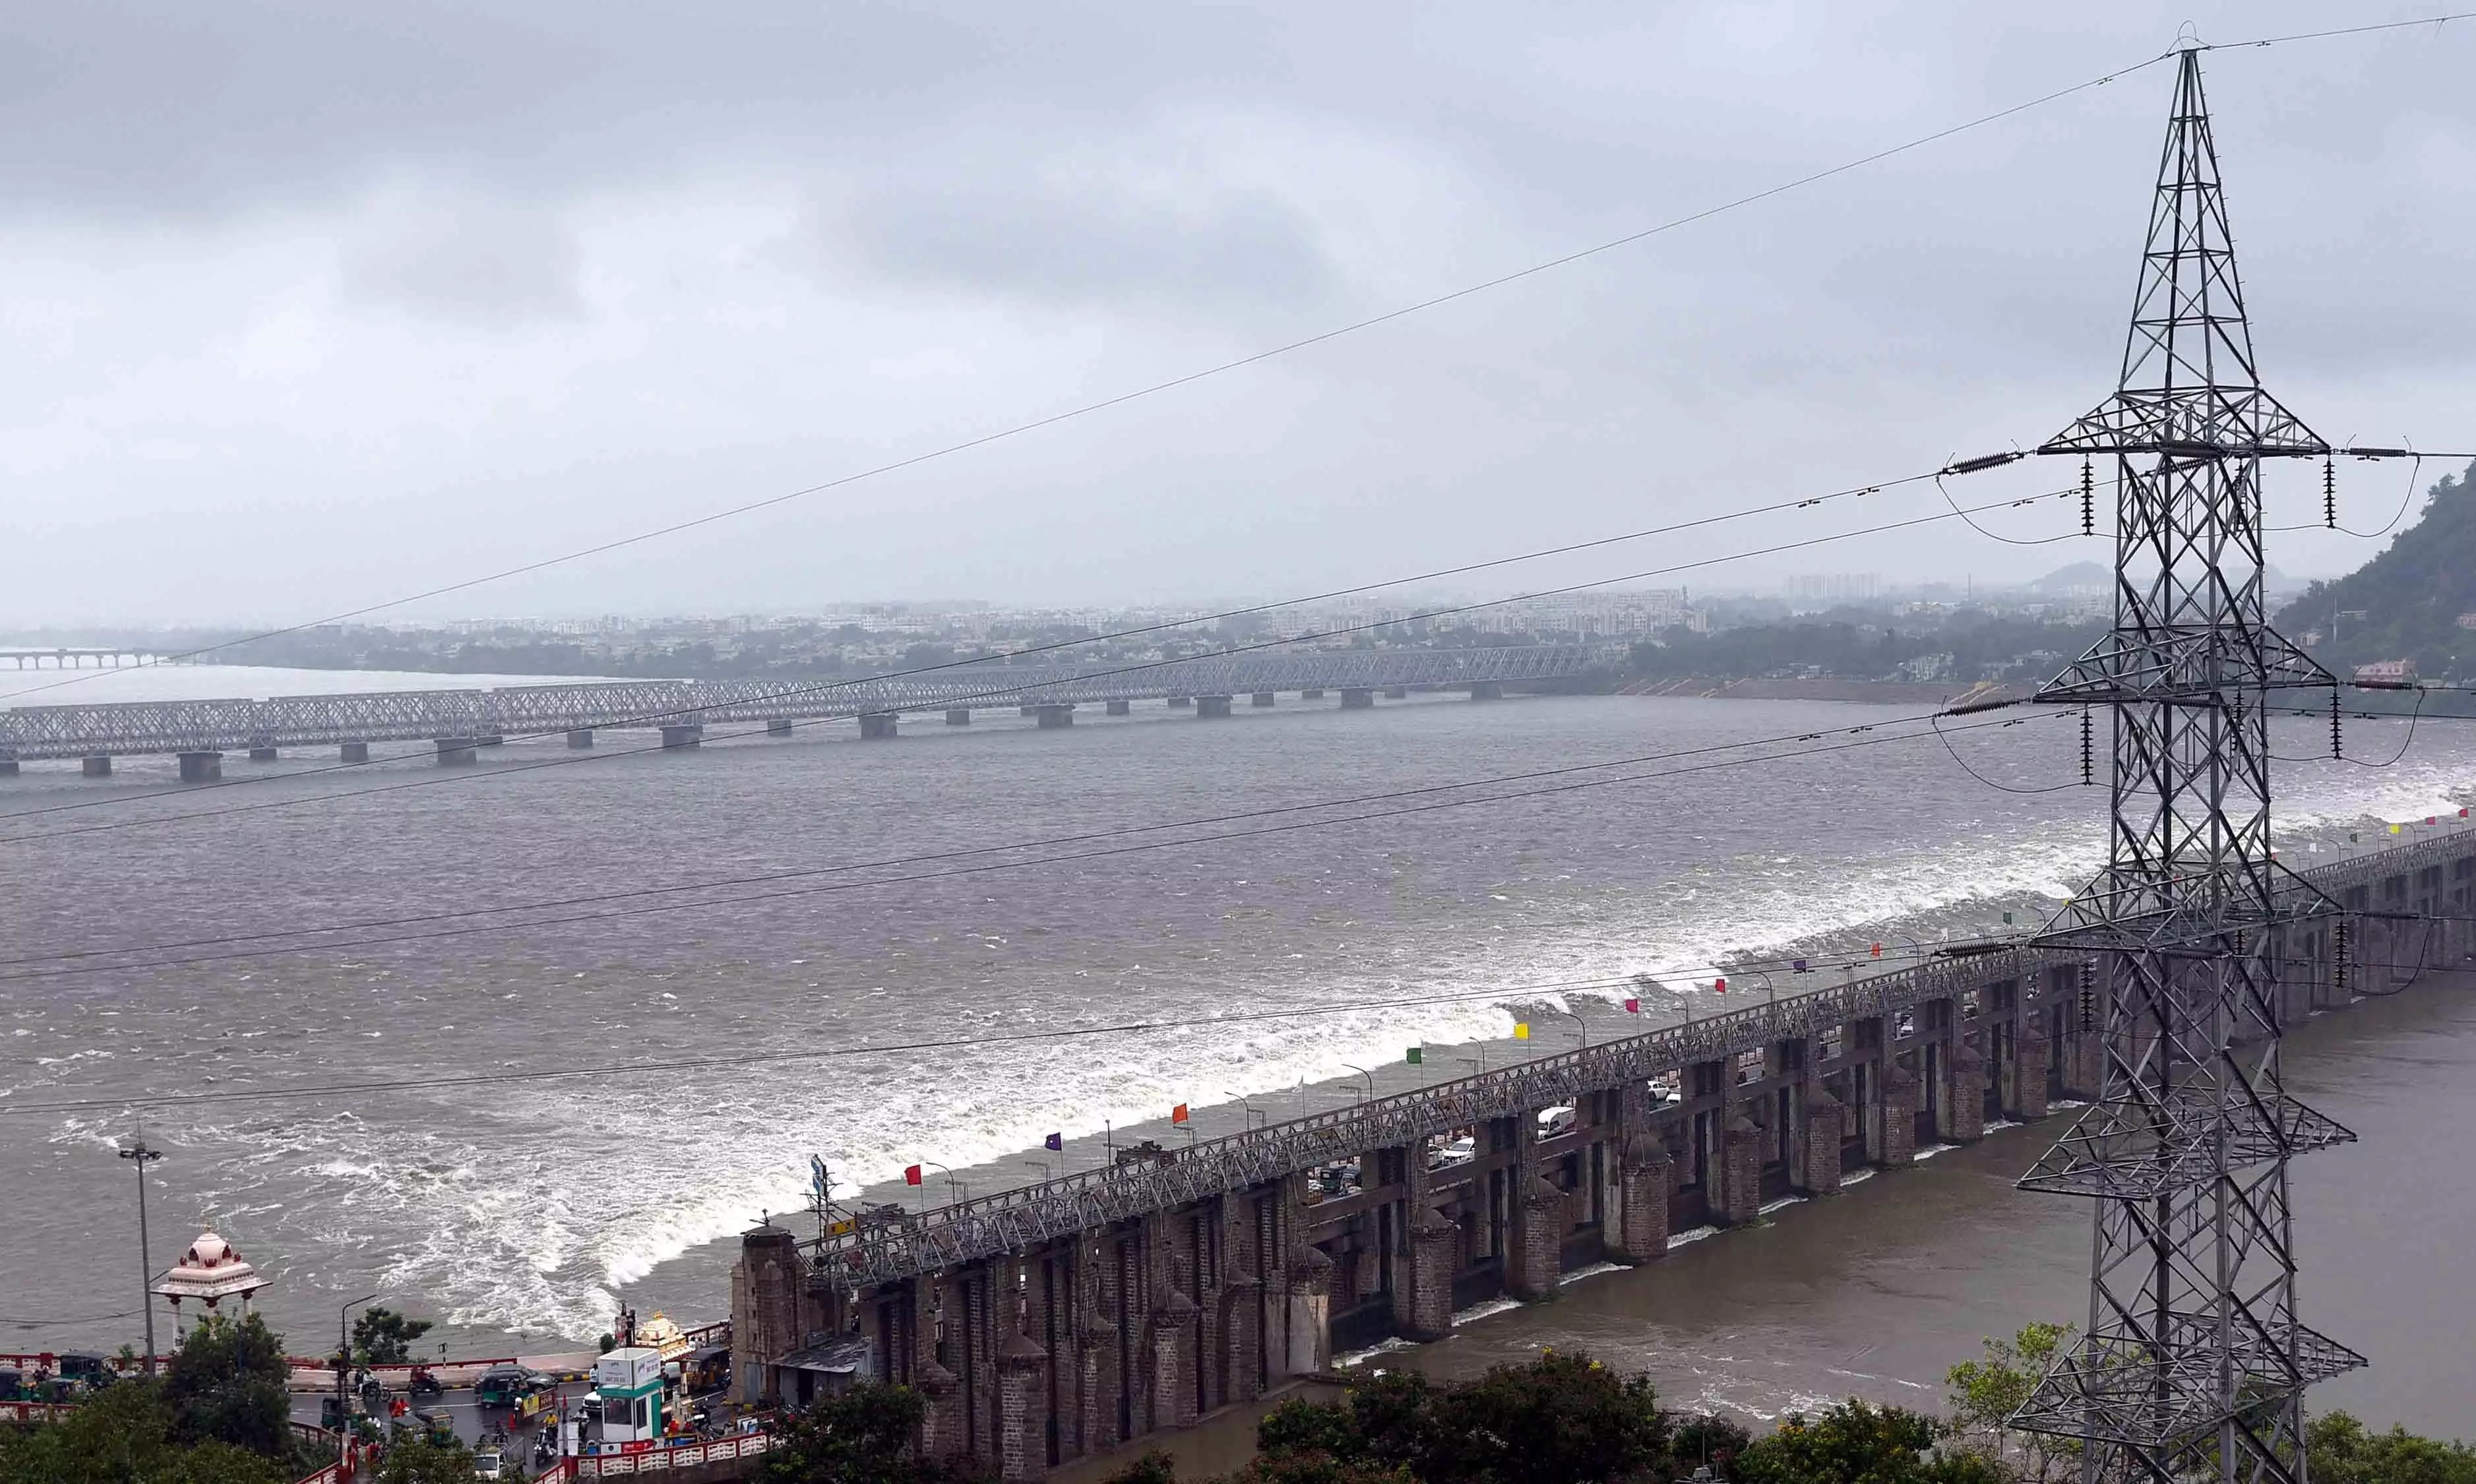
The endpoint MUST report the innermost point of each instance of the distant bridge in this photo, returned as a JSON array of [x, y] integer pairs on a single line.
[[459, 720], [106, 659]]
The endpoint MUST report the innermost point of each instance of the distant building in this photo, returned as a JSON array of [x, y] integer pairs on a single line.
[[2467, 620], [2392, 672]]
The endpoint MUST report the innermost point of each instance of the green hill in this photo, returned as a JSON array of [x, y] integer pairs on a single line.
[[2411, 595]]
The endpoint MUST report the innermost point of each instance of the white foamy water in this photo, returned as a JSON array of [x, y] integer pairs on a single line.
[[535, 1207]]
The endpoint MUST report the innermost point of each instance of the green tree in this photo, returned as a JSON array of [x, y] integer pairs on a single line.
[[1855, 1443], [2344, 1450], [1553, 1420], [425, 1461], [383, 1337], [123, 1435], [1984, 1393], [226, 1384], [861, 1437]]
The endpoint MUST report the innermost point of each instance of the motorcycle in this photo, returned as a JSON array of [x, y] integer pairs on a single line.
[[424, 1383]]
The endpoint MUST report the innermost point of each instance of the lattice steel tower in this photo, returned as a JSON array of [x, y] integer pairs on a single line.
[[2193, 1360]]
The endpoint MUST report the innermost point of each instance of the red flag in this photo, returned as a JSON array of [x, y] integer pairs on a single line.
[[910, 1174], [1633, 1007], [2428, 819], [1177, 1115], [1878, 951], [1719, 986]]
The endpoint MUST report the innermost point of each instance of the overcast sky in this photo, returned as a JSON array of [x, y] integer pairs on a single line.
[[309, 305]]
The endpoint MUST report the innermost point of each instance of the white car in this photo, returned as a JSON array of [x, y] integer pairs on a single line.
[[1554, 1121], [486, 1465]]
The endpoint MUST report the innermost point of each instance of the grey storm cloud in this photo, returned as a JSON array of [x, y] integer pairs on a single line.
[[315, 304]]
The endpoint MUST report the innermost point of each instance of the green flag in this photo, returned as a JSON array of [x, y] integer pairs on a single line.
[[1417, 1055], [2007, 919]]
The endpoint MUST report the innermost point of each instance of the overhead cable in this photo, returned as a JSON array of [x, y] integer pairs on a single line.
[[1135, 667]]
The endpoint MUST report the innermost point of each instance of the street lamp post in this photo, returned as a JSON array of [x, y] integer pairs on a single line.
[[1770, 991], [139, 1156], [1576, 1016], [1041, 1164], [343, 1368], [1370, 1075], [1254, 1116]]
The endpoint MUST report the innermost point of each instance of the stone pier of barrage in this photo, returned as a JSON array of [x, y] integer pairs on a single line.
[[1052, 1323]]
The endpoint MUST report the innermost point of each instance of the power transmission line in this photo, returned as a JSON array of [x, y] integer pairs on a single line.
[[574, 759], [1157, 388], [71, 969], [1513, 994], [993, 663]]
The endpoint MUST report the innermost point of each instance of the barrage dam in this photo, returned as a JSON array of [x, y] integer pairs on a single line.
[[1059, 1321]]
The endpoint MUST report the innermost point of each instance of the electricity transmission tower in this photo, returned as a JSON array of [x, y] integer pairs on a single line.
[[2193, 1361]]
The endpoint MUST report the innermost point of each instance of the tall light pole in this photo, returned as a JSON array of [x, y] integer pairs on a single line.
[[1253, 1115], [1370, 1075], [343, 1369], [140, 1156]]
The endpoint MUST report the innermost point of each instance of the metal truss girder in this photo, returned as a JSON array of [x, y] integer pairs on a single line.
[[2112, 1387], [2181, 422], [1012, 1220], [521, 710], [2188, 1141], [2170, 668], [992, 1226]]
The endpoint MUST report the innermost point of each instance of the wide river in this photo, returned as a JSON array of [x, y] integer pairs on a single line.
[[874, 907]]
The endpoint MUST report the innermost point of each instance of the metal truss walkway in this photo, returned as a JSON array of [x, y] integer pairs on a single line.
[[312, 721]]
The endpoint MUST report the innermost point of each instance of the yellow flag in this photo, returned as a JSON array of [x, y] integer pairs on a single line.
[[1521, 1031], [2394, 829]]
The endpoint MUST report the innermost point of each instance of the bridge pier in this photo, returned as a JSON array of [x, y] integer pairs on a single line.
[[877, 725], [1027, 709], [354, 752], [683, 734], [1487, 690], [958, 716], [1122, 709], [490, 739], [455, 752], [7, 767], [1208, 706], [1057, 715], [262, 754], [203, 767], [779, 726], [1311, 693], [1357, 699], [96, 766], [581, 739], [1262, 698], [1396, 692], [1180, 702]]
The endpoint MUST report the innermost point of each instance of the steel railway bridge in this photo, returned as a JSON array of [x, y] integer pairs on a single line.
[[458, 721]]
